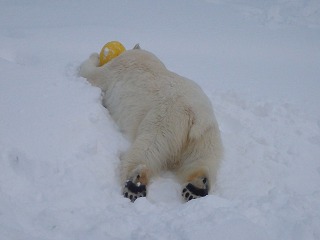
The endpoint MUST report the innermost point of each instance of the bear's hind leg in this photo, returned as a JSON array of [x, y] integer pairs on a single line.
[[137, 166]]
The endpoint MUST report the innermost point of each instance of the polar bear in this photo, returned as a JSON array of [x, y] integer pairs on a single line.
[[168, 119]]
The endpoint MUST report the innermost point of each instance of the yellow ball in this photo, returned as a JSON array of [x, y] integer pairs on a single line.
[[110, 51]]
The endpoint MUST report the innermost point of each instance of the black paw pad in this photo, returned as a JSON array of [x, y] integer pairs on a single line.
[[134, 190], [192, 192]]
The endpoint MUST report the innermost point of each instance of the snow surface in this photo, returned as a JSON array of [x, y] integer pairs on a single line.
[[258, 61]]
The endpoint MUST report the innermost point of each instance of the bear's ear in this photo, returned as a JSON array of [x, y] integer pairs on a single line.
[[137, 46]]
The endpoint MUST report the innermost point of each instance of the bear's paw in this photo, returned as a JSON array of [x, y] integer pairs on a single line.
[[134, 190], [191, 191]]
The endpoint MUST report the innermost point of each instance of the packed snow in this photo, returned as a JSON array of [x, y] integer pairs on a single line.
[[258, 62]]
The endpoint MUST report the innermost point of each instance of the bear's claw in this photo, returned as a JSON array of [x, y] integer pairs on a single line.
[[134, 190]]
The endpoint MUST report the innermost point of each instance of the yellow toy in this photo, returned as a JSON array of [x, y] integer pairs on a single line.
[[110, 51]]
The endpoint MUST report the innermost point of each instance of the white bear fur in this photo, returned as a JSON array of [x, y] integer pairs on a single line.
[[168, 118]]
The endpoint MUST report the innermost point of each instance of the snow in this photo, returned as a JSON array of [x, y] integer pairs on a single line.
[[258, 61]]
